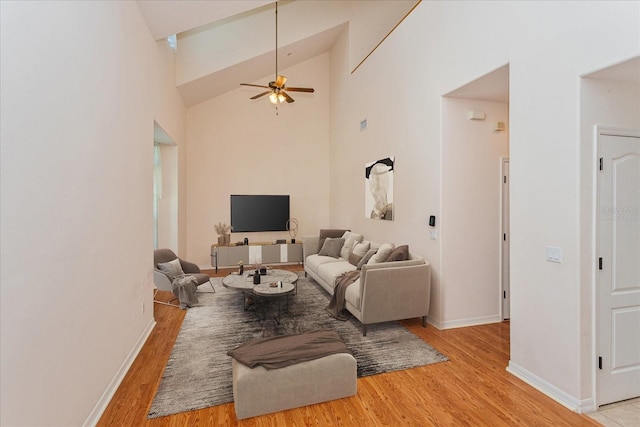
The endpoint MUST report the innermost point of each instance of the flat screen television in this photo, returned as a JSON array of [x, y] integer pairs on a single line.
[[259, 213]]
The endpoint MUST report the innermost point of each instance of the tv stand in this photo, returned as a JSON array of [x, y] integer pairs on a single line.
[[255, 253]]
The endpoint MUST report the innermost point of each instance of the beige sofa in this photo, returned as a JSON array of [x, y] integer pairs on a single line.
[[385, 291]]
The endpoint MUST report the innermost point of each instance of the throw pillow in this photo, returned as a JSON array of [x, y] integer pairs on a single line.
[[172, 268], [401, 253], [349, 239], [331, 247], [333, 233], [365, 259], [361, 249], [382, 254], [354, 259]]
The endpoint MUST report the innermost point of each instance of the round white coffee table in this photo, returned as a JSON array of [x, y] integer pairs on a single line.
[[244, 283], [274, 290]]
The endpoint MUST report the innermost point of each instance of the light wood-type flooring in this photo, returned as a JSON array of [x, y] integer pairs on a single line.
[[472, 389]]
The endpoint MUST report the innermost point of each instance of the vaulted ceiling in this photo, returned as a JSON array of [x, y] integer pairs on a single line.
[[225, 42]]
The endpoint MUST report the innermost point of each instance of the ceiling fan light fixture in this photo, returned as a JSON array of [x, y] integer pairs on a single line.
[[276, 98]]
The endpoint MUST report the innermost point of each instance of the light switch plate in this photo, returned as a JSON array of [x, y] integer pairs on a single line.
[[554, 254]]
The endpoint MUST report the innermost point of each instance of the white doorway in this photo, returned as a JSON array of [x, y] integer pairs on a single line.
[[165, 190], [506, 237], [618, 266], [475, 139]]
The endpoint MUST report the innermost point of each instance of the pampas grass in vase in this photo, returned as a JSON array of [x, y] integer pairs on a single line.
[[224, 238]]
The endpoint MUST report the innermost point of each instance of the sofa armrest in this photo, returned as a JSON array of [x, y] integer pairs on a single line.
[[310, 245], [395, 265], [395, 290]]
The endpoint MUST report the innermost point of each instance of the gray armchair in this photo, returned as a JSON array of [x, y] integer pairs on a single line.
[[163, 280]]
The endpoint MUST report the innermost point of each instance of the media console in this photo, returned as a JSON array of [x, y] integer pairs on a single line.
[[255, 253]]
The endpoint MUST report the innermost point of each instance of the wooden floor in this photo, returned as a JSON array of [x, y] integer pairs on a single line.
[[471, 389]]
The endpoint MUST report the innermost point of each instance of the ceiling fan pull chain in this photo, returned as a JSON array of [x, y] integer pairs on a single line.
[[276, 41]]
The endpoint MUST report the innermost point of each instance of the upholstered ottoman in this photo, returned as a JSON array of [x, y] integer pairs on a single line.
[[258, 391]]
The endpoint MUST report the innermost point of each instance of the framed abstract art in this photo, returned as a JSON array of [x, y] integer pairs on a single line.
[[378, 191]]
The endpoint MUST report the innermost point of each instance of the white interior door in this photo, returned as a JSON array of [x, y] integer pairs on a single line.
[[506, 313], [618, 267]]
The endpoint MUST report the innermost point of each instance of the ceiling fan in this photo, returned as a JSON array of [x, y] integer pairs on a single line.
[[277, 90]]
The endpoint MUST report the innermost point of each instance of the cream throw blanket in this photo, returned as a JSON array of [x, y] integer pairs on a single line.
[[184, 287]]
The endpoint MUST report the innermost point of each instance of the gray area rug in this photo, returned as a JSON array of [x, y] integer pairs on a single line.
[[198, 373]]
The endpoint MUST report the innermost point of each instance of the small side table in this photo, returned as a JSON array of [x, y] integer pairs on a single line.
[[268, 291]]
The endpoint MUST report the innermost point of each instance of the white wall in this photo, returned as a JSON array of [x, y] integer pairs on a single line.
[[82, 83], [614, 104], [240, 146], [170, 115], [471, 211], [439, 47]]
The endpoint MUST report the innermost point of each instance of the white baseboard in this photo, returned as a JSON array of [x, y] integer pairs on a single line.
[[434, 322], [472, 321], [550, 390], [587, 406], [104, 400]]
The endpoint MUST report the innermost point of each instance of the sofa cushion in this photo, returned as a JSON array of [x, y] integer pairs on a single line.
[[332, 247], [332, 232], [312, 262], [365, 259], [401, 253], [361, 248], [349, 239], [358, 251], [330, 270], [352, 295], [382, 254]]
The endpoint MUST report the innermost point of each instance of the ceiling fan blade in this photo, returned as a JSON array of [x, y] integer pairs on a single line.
[[300, 89], [261, 94], [280, 81], [287, 97], [249, 84]]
